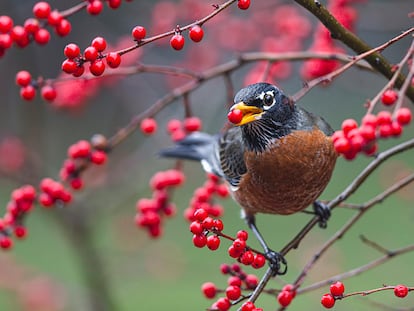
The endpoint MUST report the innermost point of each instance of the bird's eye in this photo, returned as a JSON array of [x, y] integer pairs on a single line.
[[268, 99]]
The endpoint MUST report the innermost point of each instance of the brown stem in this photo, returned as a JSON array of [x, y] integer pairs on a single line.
[[339, 32]]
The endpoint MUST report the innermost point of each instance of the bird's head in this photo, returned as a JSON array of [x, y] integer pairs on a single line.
[[260, 101]]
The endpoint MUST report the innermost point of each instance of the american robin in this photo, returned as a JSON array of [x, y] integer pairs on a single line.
[[277, 159]]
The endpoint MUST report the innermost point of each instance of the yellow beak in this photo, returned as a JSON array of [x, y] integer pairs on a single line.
[[250, 113]]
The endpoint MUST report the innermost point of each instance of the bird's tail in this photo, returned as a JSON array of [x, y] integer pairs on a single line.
[[198, 147]]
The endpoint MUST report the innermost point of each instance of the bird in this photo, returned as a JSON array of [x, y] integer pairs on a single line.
[[277, 158]]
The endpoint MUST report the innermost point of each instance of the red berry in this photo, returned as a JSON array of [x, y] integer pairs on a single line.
[[31, 25], [177, 42], [367, 132], [233, 292], [234, 252], [69, 66], [20, 36], [213, 242], [370, 120], [243, 4], [208, 223], [199, 240], [98, 157], [248, 306], [200, 214], [6, 41], [20, 231], [23, 78], [239, 244], [290, 288], [385, 130], [173, 125], [99, 43], [42, 36], [235, 116], [139, 33], [247, 258], [196, 227], [400, 291], [259, 261], [97, 68], [76, 183], [63, 28], [114, 4], [90, 53], [242, 235], [71, 50], [348, 125], [196, 33], [403, 116], [192, 124], [94, 7], [54, 18], [389, 97], [342, 145], [78, 71], [28, 92], [396, 129], [328, 301], [48, 93], [284, 298], [234, 280], [5, 242], [384, 117], [6, 24], [148, 126], [209, 290], [251, 281], [223, 304], [41, 9], [113, 59], [337, 289]]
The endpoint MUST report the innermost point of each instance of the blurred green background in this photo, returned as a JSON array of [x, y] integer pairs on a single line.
[[56, 267]]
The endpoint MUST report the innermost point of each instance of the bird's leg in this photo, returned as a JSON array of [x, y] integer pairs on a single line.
[[275, 258], [323, 211]]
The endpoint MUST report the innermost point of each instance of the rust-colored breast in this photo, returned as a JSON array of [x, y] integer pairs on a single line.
[[288, 176]]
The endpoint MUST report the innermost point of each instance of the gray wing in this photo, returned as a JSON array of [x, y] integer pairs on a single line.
[[231, 154]]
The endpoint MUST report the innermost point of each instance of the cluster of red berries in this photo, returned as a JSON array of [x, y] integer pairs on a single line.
[[79, 154], [243, 254], [337, 290], [33, 28], [29, 87], [95, 7], [177, 41], [74, 63], [203, 198], [351, 139], [201, 226], [21, 202], [178, 129], [53, 193], [150, 211], [237, 281]]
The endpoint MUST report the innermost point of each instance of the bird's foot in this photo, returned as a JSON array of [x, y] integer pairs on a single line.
[[323, 211], [277, 262]]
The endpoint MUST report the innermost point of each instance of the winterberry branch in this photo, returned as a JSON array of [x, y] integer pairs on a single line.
[[374, 263], [332, 75], [338, 31]]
